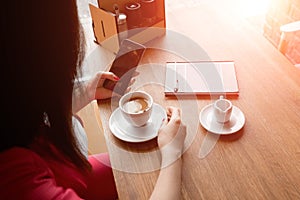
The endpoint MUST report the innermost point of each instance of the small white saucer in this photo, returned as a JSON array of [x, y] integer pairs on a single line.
[[126, 132], [208, 121]]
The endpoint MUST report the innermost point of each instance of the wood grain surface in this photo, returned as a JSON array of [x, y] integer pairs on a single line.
[[262, 160]]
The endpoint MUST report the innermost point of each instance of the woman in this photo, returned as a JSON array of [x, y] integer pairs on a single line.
[[41, 157]]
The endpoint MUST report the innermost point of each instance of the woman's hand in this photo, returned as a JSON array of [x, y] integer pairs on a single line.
[[84, 93], [95, 87], [171, 135]]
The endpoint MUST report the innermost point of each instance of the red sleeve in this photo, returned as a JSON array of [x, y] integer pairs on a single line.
[[24, 175]]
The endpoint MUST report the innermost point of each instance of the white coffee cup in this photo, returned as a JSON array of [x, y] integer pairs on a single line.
[[222, 110], [136, 107]]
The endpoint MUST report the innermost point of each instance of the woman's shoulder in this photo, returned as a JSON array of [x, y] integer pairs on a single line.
[[20, 168], [18, 157], [25, 174], [19, 152]]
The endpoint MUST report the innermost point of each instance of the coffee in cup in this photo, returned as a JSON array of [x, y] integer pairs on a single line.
[[136, 107]]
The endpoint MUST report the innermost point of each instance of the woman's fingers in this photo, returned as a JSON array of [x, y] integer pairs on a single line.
[[174, 114], [108, 75], [100, 77], [135, 74]]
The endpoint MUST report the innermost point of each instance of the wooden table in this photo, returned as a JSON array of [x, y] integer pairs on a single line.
[[261, 161]]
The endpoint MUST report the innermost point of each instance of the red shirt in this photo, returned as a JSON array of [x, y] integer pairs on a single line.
[[43, 173], [25, 175]]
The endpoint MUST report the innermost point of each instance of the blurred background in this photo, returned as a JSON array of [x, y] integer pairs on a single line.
[[266, 16]]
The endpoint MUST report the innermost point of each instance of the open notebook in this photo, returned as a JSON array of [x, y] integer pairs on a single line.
[[201, 78]]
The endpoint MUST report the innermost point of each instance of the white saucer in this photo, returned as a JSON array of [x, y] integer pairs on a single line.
[[208, 121], [126, 132]]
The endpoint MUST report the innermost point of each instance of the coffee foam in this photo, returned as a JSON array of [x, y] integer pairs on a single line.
[[135, 106]]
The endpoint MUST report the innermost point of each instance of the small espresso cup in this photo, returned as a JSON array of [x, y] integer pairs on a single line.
[[222, 110], [136, 107]]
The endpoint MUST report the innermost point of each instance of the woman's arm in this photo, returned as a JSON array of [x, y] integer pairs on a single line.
[[168, 185], [170, 141]]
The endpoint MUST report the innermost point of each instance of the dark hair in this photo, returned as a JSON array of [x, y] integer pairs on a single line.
[[42, 47]]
